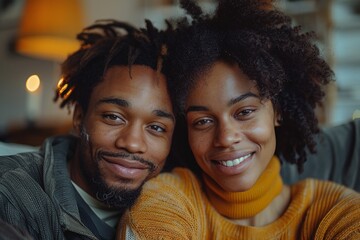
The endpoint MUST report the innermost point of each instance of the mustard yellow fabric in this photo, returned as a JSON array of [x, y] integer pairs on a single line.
[[176, 206], [239, 205]]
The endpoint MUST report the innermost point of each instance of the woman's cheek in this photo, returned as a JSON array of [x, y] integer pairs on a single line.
[[197, 144]]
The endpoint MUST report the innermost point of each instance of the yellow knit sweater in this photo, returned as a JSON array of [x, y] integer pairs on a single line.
[[176, 206]]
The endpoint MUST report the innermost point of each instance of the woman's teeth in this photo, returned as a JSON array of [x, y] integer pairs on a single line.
[[231, 163]]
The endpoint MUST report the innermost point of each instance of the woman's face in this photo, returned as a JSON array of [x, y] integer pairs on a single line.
[[231, 131]]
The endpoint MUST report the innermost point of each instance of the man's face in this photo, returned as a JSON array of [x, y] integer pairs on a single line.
[[125, 134]]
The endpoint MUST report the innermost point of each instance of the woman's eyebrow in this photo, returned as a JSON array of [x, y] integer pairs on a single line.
[[241, 97], [232, 101]]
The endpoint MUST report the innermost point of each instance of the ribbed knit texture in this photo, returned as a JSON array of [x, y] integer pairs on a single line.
[[175, 206], [239, 205]]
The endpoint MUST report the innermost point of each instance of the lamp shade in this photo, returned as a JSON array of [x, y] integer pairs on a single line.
[[48, 28]]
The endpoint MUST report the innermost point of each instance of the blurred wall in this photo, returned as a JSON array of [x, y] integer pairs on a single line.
[[15, 69]]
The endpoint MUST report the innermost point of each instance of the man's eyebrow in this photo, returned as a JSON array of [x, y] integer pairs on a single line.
[[241, 97], [165, 114], [117, 101], [123, 103]]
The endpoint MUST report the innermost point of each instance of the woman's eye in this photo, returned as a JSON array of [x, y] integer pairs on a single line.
[[202, 123], [244, 113]]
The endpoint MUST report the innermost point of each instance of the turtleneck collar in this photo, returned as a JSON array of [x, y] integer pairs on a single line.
[[240, 205]]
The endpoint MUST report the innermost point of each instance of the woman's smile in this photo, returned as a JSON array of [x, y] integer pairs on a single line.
[[232, 138]]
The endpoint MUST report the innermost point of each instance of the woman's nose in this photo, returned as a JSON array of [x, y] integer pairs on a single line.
[[227, 135]]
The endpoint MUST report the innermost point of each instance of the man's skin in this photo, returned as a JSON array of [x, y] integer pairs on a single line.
[[125, 134]]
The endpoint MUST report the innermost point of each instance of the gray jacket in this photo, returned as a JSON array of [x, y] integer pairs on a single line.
[[36, 193], [337, 158]]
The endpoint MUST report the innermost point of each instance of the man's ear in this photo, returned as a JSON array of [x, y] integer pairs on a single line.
[[78, 118]]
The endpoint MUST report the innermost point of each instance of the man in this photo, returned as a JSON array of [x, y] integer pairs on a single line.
[[77, 187]]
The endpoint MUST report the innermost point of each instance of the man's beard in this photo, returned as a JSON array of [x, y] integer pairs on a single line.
[[110, 196], [114, 197]]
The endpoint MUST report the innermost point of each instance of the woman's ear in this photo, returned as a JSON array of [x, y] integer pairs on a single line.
[[278, 119], [78, 117]]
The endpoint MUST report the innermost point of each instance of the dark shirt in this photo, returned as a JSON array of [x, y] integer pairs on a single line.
[[337, 158]]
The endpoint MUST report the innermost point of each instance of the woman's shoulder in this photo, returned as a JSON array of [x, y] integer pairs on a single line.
[[331, 210], [325, 194], [322, 189]]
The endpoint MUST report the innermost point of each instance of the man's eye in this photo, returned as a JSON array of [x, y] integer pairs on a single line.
[[113, 118], [157, 128]]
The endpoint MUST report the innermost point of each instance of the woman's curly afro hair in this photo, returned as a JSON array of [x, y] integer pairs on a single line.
[[284, 63]]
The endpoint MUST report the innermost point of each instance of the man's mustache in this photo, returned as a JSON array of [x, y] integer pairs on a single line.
[[128, 156]]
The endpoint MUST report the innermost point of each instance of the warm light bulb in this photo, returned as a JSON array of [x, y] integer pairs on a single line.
[[33, 83]]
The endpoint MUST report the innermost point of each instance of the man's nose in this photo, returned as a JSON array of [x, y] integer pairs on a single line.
[[132, 139]]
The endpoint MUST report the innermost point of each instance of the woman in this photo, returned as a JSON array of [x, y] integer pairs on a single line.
[[247, 85]]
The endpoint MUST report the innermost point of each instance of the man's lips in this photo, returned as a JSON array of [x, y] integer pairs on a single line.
[[126, 162], [126, 169], [126, 166]]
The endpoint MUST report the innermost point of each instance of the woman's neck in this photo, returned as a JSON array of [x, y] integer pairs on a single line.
[[272, 212], [262, 204]]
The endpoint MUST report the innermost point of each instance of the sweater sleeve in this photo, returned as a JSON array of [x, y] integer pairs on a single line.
[[167, 209], [342, 221]]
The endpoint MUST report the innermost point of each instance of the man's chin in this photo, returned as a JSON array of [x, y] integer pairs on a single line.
[[119, 198]]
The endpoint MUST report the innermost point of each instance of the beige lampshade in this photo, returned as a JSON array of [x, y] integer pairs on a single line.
[[48, 28]]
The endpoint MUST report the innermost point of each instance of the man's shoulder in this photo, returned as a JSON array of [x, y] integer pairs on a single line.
[[25, 161], [19, 170], [35, 155], [33, 190], [30, 166]]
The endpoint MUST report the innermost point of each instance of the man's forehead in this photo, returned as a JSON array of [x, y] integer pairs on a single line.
[[145, 86], [159, 110], [136, 75]]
